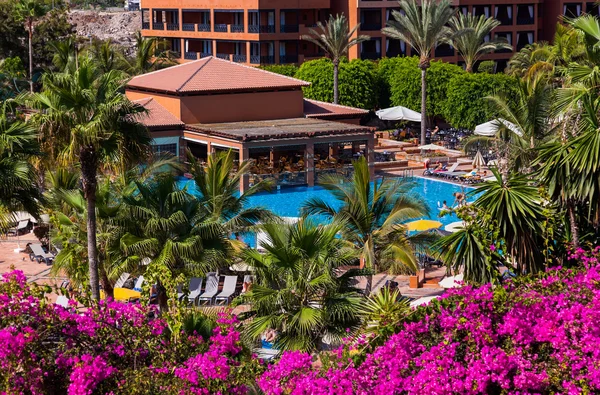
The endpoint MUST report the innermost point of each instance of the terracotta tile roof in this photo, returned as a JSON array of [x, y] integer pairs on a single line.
[[319, 109], [157, 115], [212, 75], [278, 129]]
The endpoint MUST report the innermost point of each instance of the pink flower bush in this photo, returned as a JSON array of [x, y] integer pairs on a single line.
[[527, 337]]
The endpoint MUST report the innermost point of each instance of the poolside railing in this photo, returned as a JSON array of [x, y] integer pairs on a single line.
[[281, 179]]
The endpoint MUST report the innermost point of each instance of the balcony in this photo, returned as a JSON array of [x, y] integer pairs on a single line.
[[176, 54], [289, 28], [239, 58], [204, 27], [506, 21], [288, 59], [188, 27], [221, 28], [444, 50], [205, 54], [253, 29], [267, 29], [254, 59], [237, 28], [225, 56], [370, 55], [172, 26], [370, 26], [158, 26], [525, 21], [146, 25], [191, 55], [267, 59]]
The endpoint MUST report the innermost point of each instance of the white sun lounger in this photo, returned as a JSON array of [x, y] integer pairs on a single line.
[[195, 289], [138, 284], [121, 280], [38, 253], [212, 287], [20, 226], [228, 289], [449, 171]]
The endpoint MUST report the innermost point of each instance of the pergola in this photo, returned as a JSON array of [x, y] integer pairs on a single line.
[[292, 151]]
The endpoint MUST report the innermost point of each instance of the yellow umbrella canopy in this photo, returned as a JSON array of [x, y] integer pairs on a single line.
[[422, 225]]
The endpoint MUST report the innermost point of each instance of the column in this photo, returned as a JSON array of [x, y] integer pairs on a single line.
[[209, 149], [309, 157], [370, 154], [182, 149], [272, 156], [355, 147], [245, 181]]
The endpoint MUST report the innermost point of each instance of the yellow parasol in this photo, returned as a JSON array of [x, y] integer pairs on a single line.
[[422, 225]]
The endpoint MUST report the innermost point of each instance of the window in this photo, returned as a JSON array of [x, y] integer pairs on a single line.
[[165, 148]]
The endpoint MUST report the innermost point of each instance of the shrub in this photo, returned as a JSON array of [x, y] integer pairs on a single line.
[[357, 82], [405, 84], [284, 69], [528, 336], [487, 66], [465, 106]]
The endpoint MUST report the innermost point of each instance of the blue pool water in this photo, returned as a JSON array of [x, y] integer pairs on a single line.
[[287, 201]]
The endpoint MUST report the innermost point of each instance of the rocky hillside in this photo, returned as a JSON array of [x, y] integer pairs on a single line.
[[118, 26]]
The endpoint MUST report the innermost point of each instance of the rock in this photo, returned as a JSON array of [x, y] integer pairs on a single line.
[[120, 27]]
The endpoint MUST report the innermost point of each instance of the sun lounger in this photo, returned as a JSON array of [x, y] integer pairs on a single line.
[[456, 174], [121, 280], [444, 173], [62, 301], [195, 289], [212, 287], [22, 225], [138, 284], [38, 253], [228, 289]]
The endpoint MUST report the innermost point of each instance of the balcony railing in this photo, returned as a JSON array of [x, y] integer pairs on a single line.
[[370, 55], [267, 29], [253, 29], [225, 56], [505, 21], [370, 26], [444, 51], [525, 21], [267, 59], [188, 27], [502, 50], [204, 27], [289, 28], [172, 26], [288, 59], [237, 28], [191, 55], [158, 26], [145, 25], [205, 54], [239, 58], [221, 28], [176, 54], [254, 59]]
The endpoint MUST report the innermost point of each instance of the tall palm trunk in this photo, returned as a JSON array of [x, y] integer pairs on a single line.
[[88, 158], [424, 65], [369, 285], [573, 223], [106, 284], [30, 31], [336, 91]]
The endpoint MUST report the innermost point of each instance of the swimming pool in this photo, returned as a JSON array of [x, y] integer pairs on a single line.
[[287, 201]]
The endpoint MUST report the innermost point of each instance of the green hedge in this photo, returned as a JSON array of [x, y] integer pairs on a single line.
[[285, 69], [466, 105]]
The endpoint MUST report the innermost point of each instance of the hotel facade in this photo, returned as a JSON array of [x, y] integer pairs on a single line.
[[262, 32]]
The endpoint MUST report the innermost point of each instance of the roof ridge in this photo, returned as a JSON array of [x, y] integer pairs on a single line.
[[160, 70], [206, 61], [264, 71], [335, 105]]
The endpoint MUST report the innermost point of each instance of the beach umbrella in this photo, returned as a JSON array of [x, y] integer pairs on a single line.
[[398, 113], [431, 147], [422, 224], [454, 227], [452, 281], [478, 161], [490, 128]]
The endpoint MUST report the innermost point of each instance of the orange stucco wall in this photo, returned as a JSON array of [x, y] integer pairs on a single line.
[[172, 104], [237, 107]]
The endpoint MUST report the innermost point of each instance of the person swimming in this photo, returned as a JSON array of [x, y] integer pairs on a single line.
[[459, 198]]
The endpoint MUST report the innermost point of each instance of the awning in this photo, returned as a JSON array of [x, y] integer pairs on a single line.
[[398, 113], [490, 128]]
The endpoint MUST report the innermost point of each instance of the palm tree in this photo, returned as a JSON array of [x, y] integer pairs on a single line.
[[336, 40], [423, 26], [470, 34], [107, 56], [65, 54], [165, 229], [28, 11], [372, 215], [150, 54], [218, 184], [98, 128], [300, 292]]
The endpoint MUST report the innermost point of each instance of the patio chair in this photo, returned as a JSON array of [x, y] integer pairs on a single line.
[[195, 289], [212, 287], [138, 284], [38, 253], [121, 280], [228, 289]]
